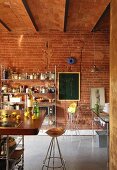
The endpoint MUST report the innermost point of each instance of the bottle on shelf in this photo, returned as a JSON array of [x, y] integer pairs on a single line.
[[17, 107], [4, 88], [5, 73], [30, 102], [31, 76]]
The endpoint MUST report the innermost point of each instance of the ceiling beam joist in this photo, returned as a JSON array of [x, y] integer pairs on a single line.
[[101, 18], [66, 15], [5, 25], [30, 14]]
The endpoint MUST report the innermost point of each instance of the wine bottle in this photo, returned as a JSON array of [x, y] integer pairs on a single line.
[[30, 102], [36, 111]]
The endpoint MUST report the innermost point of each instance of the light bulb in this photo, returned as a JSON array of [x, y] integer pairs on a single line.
[[94, 69]]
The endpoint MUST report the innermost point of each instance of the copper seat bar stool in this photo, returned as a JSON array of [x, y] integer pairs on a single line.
[[51, 158]]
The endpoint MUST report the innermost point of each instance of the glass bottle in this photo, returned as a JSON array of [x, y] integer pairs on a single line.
[[9, 73], [6, 73], [31, 76], [29, 101], [36, 111], [3, 73]]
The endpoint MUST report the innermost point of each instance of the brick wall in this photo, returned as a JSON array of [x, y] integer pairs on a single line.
[[42, 51]]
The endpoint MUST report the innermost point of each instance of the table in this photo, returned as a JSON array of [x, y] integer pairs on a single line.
[[100, 116], [27, 126], [105, 118]]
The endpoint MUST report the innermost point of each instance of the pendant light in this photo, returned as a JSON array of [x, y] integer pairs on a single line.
[[94, 67]]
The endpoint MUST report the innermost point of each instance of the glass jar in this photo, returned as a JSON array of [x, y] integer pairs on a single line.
[[51, 76], [20, 77], [15, 76], [42, 89], [34, 76], [4, 88], [31, 76]]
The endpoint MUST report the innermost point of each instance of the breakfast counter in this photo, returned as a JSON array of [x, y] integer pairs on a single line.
[[20, 125], [24, 126]]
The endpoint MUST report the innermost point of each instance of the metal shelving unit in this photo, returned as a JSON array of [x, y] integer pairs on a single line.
[[12, 158], [24, 94]]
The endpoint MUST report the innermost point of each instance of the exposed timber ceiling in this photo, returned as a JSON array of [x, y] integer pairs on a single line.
[[54, 15]]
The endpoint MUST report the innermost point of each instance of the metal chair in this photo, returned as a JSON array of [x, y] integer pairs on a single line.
[[73, 115]]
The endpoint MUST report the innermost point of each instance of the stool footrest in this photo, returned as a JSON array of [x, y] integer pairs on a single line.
[[63, 161], [51, 158]]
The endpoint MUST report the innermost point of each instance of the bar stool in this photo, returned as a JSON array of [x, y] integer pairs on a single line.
[[49, 161]]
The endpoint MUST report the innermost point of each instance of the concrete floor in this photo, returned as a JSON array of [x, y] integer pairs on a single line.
[[79, 152]]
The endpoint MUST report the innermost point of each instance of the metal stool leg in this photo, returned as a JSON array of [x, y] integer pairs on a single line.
[[62, 161], [51, 148], [48, 153], [53, 151], [51, 156]]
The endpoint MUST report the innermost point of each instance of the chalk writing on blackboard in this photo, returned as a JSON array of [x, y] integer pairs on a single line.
[[69, 86]]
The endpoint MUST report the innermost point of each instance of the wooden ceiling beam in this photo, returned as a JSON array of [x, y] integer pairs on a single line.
[[30, 14], [95, 28], [5, 25], [66, 14]]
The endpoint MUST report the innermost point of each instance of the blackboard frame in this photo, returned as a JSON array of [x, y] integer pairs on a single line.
[[69, 86]]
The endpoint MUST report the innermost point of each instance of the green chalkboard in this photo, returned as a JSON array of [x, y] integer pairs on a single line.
[[69, 86]]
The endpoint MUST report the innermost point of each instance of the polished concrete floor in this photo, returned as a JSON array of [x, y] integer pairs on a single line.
[[79, 152]]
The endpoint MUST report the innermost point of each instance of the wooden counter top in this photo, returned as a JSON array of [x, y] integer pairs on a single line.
[[27, 126]]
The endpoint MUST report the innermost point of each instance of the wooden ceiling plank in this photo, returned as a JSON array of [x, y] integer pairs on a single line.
[[30, 14], [95, 28], [5, 25], [66, 15]]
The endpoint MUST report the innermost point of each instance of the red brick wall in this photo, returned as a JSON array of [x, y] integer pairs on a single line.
[[42, 51]]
